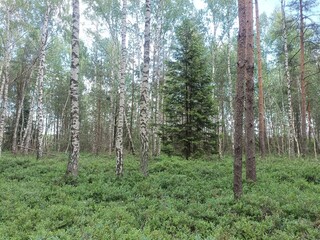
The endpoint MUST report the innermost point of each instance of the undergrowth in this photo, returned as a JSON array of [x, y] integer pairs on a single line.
[[178, 200]]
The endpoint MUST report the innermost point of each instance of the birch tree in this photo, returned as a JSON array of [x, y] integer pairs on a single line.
[[42, 59], [72, 168], [119, 137], [144, 138]]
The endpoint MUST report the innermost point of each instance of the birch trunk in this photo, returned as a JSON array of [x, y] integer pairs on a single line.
[[119, 137], [6, 78], [144, 101], [291, 129], [72, 167], [42, 58]]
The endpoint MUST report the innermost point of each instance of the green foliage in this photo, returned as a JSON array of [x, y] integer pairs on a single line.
[[179, 200], [188, 101]]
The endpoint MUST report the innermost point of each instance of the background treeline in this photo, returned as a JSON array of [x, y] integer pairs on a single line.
[[292, 121]]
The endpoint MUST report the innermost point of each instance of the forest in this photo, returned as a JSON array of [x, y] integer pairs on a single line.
[[159, 119]]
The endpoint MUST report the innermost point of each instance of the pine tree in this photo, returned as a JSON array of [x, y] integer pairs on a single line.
[[249, 99], [239, 101], [188, 102]]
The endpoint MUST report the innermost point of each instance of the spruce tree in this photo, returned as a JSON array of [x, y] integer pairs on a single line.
[[188, 95]]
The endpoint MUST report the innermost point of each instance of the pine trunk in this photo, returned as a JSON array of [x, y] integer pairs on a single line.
[[250, 143], [72, 168], [42, 58], [119, 137], [144, 138], [239, 100]]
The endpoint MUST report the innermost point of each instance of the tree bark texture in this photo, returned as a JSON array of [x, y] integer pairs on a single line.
[[250, 143], [144, 101], [42, 59], [260, 83], [72, 167], [239, 100], [119, 137]]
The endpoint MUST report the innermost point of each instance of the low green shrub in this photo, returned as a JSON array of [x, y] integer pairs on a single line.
[[179, 200]]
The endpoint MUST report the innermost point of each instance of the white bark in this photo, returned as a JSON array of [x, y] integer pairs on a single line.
[[42, 59], [72, 168], [144, 101], [119, 138]]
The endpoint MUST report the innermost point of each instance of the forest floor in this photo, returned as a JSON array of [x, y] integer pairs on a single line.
[[179, 200]]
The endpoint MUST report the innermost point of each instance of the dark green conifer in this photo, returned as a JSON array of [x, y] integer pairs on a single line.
[[188, 95]]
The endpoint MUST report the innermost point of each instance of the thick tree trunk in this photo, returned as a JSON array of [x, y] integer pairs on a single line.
[[119, 138], [44, 36], [72, 167], [260, 83], [250, 150], [303, 87], [144, 101], [239, 100]]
